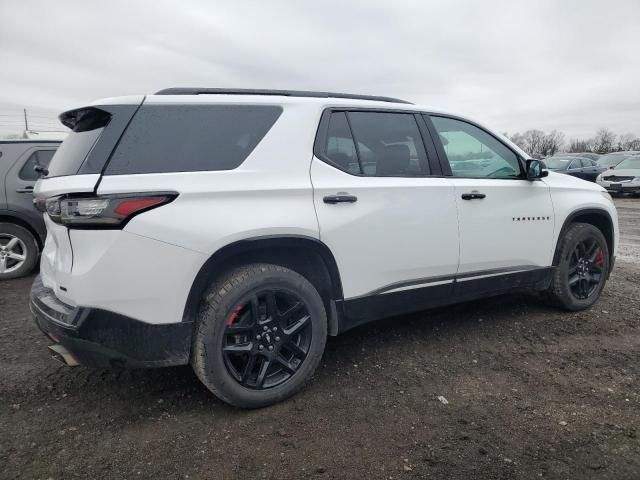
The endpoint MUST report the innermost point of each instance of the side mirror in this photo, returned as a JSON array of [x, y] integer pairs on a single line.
[[535, 169]]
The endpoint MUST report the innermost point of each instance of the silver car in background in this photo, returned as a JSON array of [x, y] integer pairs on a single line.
[[610, 160], [624, 177]]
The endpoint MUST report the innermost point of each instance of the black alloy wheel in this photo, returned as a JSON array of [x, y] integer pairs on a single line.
[[260, 334], [581, 268], [586, 268], [267, 338]]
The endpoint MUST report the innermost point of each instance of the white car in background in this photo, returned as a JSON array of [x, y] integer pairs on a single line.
[[624, 177], [610, 160]]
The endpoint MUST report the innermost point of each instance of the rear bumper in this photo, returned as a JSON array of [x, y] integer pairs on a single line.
[[99, 338]]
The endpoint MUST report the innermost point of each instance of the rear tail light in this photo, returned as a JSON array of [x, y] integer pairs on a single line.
[[103, 211]]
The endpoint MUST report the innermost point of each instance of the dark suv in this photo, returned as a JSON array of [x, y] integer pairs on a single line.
[[22, 230]]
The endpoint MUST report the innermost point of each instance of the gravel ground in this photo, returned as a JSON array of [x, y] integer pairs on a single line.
[[530, 392]]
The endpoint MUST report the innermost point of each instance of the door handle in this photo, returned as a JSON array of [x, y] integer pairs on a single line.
[[340, 198], [24, 190], [473, 195]]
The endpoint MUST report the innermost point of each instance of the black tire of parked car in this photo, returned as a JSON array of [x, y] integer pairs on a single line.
[[571, 249], [29, 248], [234, 294]]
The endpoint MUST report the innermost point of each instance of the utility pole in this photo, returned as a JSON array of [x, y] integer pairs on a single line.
[[26, 122]]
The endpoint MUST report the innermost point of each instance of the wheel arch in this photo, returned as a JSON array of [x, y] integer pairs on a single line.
[[598, 217], [307, 256], [8, 216]]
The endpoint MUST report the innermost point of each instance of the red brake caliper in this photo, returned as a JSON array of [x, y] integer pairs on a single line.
[[234, 315], [599, 261]]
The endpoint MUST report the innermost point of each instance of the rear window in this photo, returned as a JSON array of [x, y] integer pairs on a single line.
[[190, 138], [86, 125], [72, 152]]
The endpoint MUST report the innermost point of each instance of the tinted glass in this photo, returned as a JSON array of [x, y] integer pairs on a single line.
[[389, 144], [40, 157], [86, 128], [72, 152], [586, 162], [340, 148], [472, 152], [557, 163], [190, 138]]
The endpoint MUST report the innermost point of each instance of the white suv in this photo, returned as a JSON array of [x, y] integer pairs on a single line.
[[235, 230]]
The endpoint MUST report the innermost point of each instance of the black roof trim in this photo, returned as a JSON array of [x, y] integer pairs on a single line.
[[285, 93]]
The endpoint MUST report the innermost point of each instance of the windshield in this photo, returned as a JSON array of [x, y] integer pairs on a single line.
[[611, 160], [629, 162], [557, 163]]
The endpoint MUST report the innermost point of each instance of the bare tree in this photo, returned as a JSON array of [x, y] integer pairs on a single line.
[[518, 139], [551, 143], [580, 146], [628, 141], [533, 141], [604, 141], [538, 143]]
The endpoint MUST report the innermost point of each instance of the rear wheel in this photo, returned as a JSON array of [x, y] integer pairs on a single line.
[[582, 269], [261, 333], [18, 251]]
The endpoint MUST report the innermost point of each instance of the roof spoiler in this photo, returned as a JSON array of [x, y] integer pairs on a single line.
[[84, 119], [284, 93]]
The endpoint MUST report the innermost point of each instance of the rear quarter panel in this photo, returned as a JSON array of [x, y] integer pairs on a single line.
[[269, 194]]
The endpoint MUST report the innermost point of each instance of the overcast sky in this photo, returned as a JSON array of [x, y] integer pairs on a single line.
[[514, 65]]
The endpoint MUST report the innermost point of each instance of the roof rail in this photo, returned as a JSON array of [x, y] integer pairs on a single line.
[[285, 93]]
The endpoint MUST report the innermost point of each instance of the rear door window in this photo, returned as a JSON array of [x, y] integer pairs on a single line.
[[340, 147], [586, 163], [38, 158], [191, 138], [376, 144]]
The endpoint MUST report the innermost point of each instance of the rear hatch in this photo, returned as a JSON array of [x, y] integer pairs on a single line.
[[76, 168]]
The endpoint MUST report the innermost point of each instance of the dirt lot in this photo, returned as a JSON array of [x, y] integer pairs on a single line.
[[532, 392]]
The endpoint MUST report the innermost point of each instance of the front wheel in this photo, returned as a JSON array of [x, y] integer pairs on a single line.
[[582, 269], [260, 335]]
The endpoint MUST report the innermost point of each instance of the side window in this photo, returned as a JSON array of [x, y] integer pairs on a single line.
[[340, 148], [389, 144], [586, 163], [39, 157], [191, 138], [474, 153], [575, 163]]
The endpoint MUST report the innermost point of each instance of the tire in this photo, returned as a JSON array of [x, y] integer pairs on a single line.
[[16, 241], [237, 313], [567, 292]]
